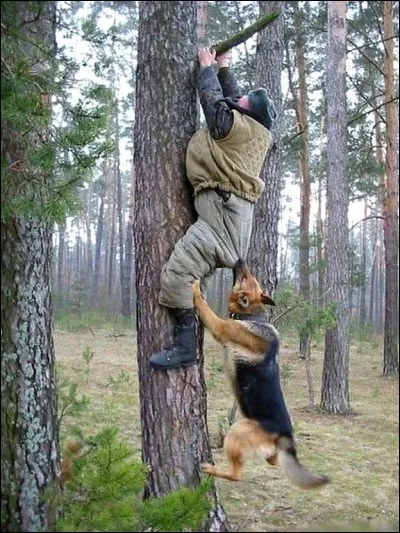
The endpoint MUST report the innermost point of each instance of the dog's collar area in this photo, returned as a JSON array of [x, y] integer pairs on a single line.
[[260, 317]]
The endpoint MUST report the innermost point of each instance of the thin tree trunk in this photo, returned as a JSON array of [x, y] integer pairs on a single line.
[[120, 214], [127, 271], [173, 404], [381, 291], [372, 276], [320, 224], [61, 258], [285, 251], [99, 238], [363, 288], [335, 382], [263, 251], [390, 203], [89, 254], [240, 26], [111, 240], [302, 124]]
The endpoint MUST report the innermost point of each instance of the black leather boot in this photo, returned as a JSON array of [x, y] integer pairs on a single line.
[[183, 351]]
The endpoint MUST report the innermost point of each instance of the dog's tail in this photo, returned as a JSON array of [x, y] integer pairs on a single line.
[[293, 469]]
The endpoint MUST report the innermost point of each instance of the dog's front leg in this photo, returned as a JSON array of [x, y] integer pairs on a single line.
[[227, 331], [210, 320]]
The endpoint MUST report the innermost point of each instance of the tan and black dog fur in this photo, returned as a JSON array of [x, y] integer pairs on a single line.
[[251, 348]]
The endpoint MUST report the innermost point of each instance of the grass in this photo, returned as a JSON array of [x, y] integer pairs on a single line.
[[87, 321], [359, 452]]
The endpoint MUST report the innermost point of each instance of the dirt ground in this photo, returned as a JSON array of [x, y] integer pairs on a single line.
[[360, 453]]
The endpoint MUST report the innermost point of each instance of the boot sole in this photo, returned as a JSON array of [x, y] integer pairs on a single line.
[[172, 367]]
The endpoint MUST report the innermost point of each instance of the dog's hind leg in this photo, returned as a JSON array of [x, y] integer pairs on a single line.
[[237, 445], [232, 474]]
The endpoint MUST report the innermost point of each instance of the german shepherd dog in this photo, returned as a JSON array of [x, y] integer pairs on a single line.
[[251, 348]]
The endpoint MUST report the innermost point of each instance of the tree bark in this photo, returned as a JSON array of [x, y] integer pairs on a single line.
[[29, 431], [263, 251], [335, 384], [173, 404], [390, 203]]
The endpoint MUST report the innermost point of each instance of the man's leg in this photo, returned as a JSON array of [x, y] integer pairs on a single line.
[[193, 258]]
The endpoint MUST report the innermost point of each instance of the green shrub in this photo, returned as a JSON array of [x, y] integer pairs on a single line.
[[105, 493]]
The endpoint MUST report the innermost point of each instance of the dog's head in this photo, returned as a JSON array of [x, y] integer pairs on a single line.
[[247, 296]]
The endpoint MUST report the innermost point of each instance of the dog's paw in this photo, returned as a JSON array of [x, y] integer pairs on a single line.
[[196, 289], [207, 468]]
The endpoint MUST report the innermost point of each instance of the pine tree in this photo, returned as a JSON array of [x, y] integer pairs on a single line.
[[335, 387], [174, 434]]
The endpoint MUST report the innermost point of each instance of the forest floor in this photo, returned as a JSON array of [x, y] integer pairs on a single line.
[[360, 453]]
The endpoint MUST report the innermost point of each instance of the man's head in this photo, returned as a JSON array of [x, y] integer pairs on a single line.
[[259, 106]]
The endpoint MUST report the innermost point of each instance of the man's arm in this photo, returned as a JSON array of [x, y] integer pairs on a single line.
[[226, 77], [218, 116]]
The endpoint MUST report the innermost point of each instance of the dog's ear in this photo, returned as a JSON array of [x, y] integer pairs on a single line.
[[243, 300], [266, 300]]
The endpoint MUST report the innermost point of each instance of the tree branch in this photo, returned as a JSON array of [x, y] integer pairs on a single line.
[[289, 309], [246, 33], [293, 137], [366, 218], [378, 68], [373, 43], [371, 110], [365, 98]]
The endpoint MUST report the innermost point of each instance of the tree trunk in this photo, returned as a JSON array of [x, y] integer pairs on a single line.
[[99, 238], [111, 239], [302, 125], [127, 270], [61, 258], [390, 203], [363, 288], [119, 211], [335, 385], [89, 255], [29, 431], [372, 276], [284, 276], [381, 291], [240, 27], [173, 404], [263, 252], [320, 224]]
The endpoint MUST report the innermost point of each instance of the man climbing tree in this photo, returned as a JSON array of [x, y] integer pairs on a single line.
[[223, 163]]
